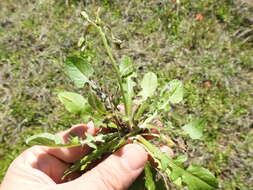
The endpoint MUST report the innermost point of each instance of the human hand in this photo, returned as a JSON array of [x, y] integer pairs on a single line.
[[41, 167]]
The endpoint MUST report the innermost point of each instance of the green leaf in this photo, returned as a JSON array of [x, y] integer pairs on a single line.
[[180, 160], [73, 102], [199, 178], [195, 177], [148, 85], [96, 103], [81, 64], [93, 115], [125, 66], [176, 89], [127, 75], [98, 120], [149, 178], [160, 158], [175, 175], [158, 179], [96, 154], [178, 181], [128, 87], [91, 140], [51, 140], [45, 139], [195, 128], [171, 93], [112, 125], [78, 70], [148, 120], [141, 109]]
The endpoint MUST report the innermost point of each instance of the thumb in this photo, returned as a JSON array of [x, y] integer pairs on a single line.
[[117, 172]]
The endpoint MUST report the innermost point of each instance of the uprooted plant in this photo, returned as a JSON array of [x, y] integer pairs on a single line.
[[144, 103]]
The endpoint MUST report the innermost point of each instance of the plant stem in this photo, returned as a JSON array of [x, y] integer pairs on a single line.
[[115, 67], [114, 64], [108, 50]]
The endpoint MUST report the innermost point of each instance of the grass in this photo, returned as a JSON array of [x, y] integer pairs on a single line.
[[213, 56]]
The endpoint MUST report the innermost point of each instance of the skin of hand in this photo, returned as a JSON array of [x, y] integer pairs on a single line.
[[41, 168]]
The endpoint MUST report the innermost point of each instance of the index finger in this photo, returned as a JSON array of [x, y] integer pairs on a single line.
[[73, 154]]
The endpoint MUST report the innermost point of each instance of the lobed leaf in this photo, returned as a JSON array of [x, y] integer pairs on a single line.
[[160, 158], [51, 140]]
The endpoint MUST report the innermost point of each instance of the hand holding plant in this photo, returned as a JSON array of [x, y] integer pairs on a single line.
[[152, 99], [40, 167]]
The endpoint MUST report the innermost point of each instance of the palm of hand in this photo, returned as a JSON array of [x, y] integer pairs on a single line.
[[42, 167]]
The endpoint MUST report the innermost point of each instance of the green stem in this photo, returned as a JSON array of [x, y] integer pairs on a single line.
[[114, 64]]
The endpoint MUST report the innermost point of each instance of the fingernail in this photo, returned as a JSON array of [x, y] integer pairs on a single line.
[[134, 156]]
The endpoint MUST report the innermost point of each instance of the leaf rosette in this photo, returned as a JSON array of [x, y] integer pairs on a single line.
[[145, 101]]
